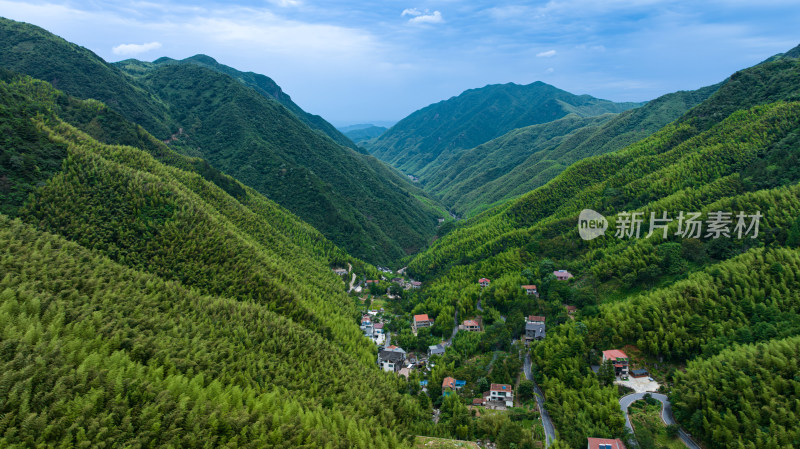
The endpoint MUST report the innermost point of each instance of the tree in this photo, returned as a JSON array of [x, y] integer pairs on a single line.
[[607, 374], [525, 390]]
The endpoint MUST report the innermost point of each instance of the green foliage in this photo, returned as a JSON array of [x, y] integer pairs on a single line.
[[96, 353], [28, 49], [242, 124], [260, 83], [423, 140], [745, 396], [526, 158]]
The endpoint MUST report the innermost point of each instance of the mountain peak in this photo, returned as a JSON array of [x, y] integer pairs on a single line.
[[203, 59]]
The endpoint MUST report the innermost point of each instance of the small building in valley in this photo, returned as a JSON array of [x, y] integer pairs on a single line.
[[471, 326], [483, 282], [534, 328], [436, 350], [501, 393], [421, 321], [605, 443], [620, 360], [530, 290], [392, 361], [562, 275]]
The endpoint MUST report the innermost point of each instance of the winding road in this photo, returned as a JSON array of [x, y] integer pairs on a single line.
[[547, 423], [666, 414]]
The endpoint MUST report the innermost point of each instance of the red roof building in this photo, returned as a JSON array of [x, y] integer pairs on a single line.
[[535, 319], [422, 320], [605, 443], [620, 359], [484, 282], [471, 326], [449, 382], [529, 289]]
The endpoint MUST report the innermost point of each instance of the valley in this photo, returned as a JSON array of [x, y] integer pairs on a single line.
[[190, 259]]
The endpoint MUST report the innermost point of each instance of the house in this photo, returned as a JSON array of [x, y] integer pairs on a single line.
[[478, 402], [571, 309], [501, 393], [394, 348], [620, 359], [534, 331], [535, 319], [449, 383], [421, 321], [416, 284], [340, 271], [471, 326], [460, 384], [605, 443], [639, 373], [397, 280], [562, 275], [392, 361], [378, 327], [436, 350], [530, 290], [483, 282]]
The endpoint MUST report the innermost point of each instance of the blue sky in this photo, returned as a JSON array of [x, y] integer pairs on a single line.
[[356, 62]]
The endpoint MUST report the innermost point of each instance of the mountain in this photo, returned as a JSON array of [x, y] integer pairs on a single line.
[[239, 128], [420, 143], [260, 83], [363, 133], [140, 299], [31, 50], [526, 158], [671, 300]]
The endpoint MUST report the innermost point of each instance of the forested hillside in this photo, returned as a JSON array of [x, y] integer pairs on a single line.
[[239, 128], [421, 142], [260, 83], [673, 299], [140, 300], [526, 158]]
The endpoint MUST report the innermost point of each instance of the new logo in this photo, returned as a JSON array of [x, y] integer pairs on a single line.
[[591, 224]]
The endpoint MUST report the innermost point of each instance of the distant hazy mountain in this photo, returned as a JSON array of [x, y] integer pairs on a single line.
[[420, 142], [364, 132]]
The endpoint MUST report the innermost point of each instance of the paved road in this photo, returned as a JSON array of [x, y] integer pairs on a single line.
[[666, 414], [547, 423]]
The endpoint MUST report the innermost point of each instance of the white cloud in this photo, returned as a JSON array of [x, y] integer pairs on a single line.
[[435, 17], [550, 70], [546, 54], [411, 12], [135, 49]]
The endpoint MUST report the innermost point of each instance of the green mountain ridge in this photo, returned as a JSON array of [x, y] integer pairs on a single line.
[[261, 83], [239, 128], [427, 137], [672, 300], [526, 158], [140, 300]]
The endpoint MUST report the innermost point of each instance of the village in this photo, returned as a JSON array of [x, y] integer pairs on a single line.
[[408, 348]]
